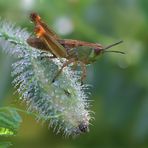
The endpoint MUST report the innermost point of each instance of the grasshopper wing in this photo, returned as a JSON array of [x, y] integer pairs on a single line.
[[52, 44], [36, 19]]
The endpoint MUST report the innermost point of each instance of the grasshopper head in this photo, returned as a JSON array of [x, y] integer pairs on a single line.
[[98, 50]]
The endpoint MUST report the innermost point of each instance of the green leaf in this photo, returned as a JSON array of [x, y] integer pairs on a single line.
[[5, 144], [9, 121]]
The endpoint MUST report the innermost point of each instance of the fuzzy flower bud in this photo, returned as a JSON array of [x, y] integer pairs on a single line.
[[64, 103]]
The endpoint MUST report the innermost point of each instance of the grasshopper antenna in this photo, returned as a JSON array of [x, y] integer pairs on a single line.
[[110, 46]]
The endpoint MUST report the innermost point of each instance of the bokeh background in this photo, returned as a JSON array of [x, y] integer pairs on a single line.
[[119, 91]]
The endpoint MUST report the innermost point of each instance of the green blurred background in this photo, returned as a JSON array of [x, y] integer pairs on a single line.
[[119, 82]]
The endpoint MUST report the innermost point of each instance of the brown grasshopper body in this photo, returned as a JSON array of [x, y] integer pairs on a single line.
[[74, 51]]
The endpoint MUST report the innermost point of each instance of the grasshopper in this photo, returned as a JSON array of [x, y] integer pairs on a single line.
[[75, 51]]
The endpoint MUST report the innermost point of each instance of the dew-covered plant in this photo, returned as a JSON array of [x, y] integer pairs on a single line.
[[63, 103]]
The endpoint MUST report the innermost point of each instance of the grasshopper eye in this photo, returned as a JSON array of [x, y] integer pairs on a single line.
[[98, 50]]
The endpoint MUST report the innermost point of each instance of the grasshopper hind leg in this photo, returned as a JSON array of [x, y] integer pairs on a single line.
[[83, 67], [64, 65], [83, 76]]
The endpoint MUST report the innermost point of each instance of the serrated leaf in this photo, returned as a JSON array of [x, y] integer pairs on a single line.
[[9, 121]]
